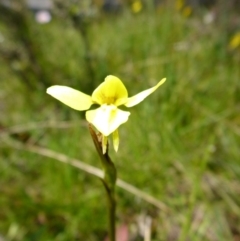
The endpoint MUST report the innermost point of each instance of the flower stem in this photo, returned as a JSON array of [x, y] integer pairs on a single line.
[[109, 182], [111, 213]]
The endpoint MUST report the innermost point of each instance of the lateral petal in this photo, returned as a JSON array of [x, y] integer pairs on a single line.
[[111, 91], [136, 99], [70, 97], [115, 136], [107, 118], [104, 144]]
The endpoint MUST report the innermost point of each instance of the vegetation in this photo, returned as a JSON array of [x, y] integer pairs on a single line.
[[181, 145]]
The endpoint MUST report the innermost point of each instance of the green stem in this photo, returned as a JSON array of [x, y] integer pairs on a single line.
[[111, 213], [109, 182]]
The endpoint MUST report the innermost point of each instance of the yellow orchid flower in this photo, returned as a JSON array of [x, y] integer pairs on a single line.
[[137, 6], [235, 41], [109, 95]]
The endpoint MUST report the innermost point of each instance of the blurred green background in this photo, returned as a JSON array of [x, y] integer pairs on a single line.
[[181, 145]]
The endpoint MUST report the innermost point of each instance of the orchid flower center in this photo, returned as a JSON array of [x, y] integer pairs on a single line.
[[108, 107], [109, 100]]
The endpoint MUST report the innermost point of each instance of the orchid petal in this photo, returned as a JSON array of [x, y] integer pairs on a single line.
[[107, 118], [104, 144], [136, 99], [111, 91], [71, 97], [115, 136]]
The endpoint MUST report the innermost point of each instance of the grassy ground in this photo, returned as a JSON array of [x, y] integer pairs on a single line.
[[181, 145]]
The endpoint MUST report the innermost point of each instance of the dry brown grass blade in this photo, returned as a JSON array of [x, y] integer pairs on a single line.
[[40, 125]]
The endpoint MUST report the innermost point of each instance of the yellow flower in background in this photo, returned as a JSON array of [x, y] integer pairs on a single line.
[[179, 4], [187, 11], [235, 41], [182, 7], [137, 6], [109, 95]]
